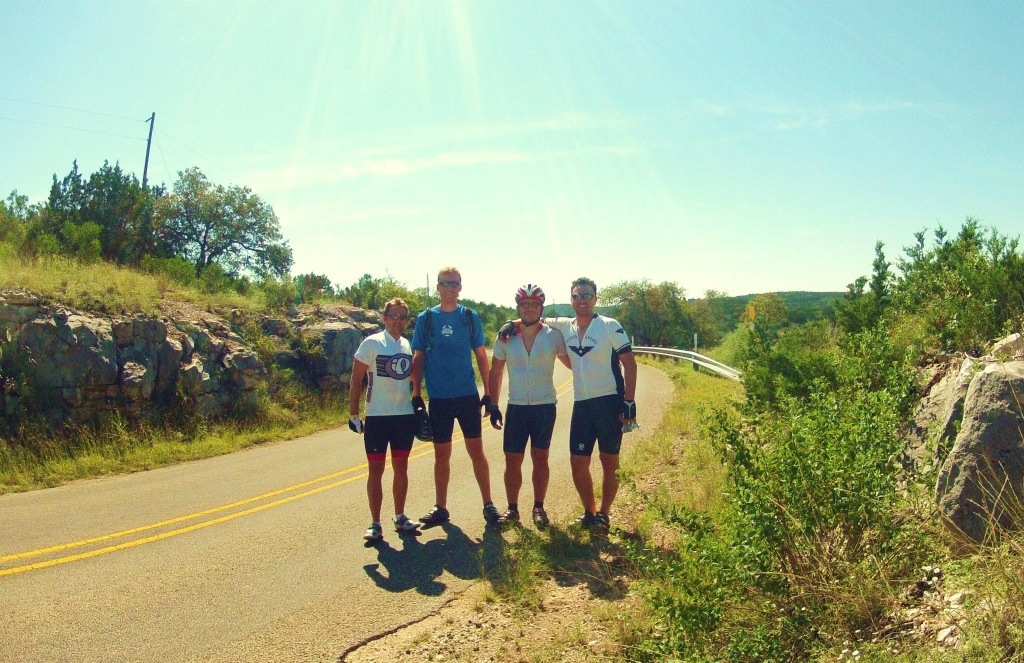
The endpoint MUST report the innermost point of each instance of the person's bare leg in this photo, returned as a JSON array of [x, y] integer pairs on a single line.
[[374, 487], [581, 479], [442, 472], [513, 476], [609, 480], [400, 485], [475, 447], [541, 473]]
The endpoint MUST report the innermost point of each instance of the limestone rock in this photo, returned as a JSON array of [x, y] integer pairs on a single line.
[[981, 481]]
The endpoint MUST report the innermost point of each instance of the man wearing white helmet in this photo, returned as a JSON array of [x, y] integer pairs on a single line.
[[604, 386], [530, 414]]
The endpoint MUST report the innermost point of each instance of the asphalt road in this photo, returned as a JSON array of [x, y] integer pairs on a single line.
[[254, 556]]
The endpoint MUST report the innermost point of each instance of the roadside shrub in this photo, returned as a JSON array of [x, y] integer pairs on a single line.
[[966, 290], [178, 269]]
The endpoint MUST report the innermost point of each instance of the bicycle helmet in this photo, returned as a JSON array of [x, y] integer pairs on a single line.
[[424, 430], [529, 292]]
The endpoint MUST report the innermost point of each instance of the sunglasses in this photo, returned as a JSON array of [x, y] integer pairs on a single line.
[[585, 296], [396, 316], [449, 284]]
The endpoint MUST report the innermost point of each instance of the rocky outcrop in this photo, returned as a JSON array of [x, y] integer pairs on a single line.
[[71, 366], [976, 424]]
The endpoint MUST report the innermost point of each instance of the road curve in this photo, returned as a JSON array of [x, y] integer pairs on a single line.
[[253, 556]]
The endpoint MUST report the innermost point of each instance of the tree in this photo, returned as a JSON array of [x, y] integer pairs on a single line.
[[229, 226], [659, 314], [15, 214], [372, 293], [123, 209], [313, 286], [860, 310], [768, 311], [109, 215]]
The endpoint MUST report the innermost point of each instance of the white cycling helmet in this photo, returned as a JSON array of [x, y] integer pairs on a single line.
[[529, 292]]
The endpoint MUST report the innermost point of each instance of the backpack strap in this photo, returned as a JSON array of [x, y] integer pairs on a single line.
[[469, 324], [428, 324]]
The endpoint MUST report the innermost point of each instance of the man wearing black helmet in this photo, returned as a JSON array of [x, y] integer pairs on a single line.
[[389, 414], [530, 415]]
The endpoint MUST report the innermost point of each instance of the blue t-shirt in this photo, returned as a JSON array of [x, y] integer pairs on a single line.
[[449, 366]]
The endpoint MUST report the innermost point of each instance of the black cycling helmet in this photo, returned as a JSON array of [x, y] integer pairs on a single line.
[[424, 431]]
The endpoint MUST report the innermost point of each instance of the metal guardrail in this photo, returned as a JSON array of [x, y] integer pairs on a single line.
[[697, 359]]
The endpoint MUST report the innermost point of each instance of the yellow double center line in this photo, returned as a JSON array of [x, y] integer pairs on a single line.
[[356, 473]]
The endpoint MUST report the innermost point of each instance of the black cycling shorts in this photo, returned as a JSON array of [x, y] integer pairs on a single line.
[[596, 420], [398, 430], [444, 412], [535, 423]]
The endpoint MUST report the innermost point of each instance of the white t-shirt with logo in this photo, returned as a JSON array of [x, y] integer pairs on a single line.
[[530, 374], [595, 364], [389, 365]]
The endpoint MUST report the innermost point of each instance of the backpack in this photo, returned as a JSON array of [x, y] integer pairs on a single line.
[[428, 324]]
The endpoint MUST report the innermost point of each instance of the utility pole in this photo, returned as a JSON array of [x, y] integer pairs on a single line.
[[149, 141]]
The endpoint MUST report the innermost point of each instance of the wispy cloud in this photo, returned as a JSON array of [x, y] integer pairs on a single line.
[[318, 173], [781, 116]]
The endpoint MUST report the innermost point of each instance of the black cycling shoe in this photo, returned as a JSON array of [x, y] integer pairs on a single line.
[[509, 519], [436, 516], [586, 521], [491, 514]]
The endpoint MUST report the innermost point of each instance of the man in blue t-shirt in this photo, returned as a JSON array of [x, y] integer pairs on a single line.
[[446, 338]]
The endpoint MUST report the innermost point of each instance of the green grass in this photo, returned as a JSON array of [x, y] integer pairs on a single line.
[[104, 286], [41, 460]]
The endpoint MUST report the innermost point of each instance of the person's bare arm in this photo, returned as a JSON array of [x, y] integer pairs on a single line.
[[355, 387], [416, 375], [483, 362], [496, 377], [628, 362]]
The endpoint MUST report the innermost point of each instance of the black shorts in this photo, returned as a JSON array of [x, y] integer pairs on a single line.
[[529, 422], [444, 412], [398, 430], [596, 419]]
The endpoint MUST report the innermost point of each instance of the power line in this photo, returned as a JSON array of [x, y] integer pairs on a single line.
[[63, 126], [77, 110], [193, 151]]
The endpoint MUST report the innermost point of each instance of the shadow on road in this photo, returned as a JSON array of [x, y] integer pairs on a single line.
[[420, 565]]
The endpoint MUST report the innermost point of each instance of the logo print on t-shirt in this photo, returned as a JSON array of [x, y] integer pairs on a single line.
[[447, 330], [396, 367], [580, 351]]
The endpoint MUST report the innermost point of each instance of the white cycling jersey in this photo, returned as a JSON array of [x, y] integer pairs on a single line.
[[389, 365], [530, 374], [594, 358]]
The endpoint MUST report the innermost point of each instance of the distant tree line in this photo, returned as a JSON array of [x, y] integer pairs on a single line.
[[217, 237]]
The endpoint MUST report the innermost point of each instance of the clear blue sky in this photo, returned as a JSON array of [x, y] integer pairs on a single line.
[[736, 146]]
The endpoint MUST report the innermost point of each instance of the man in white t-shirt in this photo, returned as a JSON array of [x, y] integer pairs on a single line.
[[385, 360], [530, 414]]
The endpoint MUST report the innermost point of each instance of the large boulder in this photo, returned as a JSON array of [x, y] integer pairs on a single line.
[[330, 348], [981, 482]]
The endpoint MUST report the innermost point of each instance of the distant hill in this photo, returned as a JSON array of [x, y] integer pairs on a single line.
[[802, 306], [565, 310]]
